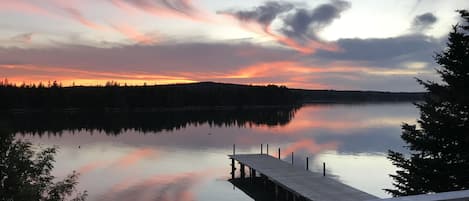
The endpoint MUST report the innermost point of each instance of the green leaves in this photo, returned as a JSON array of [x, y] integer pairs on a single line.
[[25, 175]]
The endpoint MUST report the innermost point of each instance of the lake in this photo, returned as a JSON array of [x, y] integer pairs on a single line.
[[182, 154]]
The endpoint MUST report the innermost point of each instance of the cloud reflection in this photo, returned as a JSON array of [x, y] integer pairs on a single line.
[[310, 145], [125, 161], [134, 157], [161, 187]]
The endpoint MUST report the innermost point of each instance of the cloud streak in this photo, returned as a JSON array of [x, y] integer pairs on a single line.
[[183, 9], [78, 16], [135, 35]]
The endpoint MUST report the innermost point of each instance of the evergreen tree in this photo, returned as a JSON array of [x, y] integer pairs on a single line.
[[439, 146]]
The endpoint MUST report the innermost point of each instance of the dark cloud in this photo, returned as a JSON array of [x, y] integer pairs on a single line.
[[263, 14], [424, 21], [385, 52], [304, 23], [300, 24], [187, 57], [380, 82]]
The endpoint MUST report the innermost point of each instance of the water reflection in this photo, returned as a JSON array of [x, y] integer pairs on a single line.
[[178, 155], [115, 123]]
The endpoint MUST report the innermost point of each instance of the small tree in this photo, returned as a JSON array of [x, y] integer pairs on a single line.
[[25, 175], [439, 158]]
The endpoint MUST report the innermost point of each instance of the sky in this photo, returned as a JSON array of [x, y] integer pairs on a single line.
[[331, 44]]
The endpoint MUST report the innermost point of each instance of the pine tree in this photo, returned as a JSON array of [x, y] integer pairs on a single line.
[[439, 146]]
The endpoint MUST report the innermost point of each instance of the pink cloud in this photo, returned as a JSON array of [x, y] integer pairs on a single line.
[[24, 6], [78, 16], [134, 34]]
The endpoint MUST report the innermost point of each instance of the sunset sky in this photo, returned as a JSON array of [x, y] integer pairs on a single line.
[[333, 44]]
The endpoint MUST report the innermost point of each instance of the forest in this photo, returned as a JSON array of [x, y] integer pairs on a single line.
[[203, 94]]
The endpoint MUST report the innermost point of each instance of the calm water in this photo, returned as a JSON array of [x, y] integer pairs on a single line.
[[181, 155]]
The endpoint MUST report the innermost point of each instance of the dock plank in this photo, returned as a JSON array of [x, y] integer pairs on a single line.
[[310, 185]]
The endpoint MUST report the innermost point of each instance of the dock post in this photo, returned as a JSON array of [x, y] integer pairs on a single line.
[[276, 191], [267, 149], [278, 153], [307, 163], [243, 174], [233, 168], [292, 158], [234, 148], [264, 181], [324, 169], [261, 148]]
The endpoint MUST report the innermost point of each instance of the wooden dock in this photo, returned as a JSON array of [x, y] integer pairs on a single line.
[[299, 183]]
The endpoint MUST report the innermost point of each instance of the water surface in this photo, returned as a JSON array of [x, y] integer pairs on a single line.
[[181, 155]]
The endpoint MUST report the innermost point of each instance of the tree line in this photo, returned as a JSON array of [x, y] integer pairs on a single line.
[[55, 96]]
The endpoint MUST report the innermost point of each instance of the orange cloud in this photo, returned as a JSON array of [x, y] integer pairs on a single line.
[[288, 67]]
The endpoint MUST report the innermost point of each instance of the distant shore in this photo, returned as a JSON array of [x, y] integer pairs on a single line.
[[194, 96]]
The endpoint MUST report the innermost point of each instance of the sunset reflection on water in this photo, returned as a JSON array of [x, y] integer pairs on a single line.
[[190, 162]]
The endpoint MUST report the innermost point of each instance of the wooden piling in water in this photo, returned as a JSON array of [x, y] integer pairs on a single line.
[[261, 148], [292, 158], [307, 163], [233, 168], [241, 168], [324, 169], [276, 191], [278, 153]]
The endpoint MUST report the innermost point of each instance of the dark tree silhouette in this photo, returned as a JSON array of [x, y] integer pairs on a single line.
[[439, 158], [25, 175], [205, 94]]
